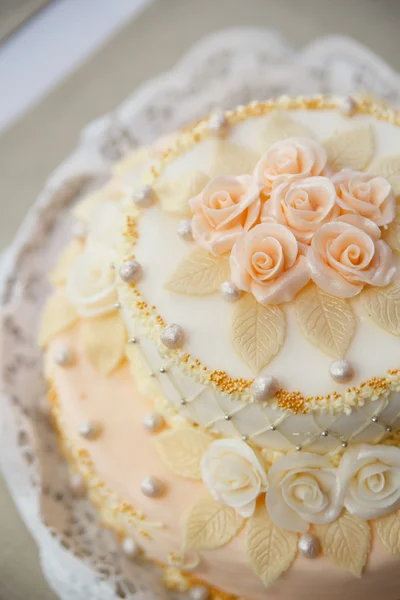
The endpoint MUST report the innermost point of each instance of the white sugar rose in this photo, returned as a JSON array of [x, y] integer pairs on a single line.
[[366, 195], [226, 207], [267, 262], [303, 489], [347, 254], [303, 206], [289, 159], [371, 477], [233, 474], [91, 284]]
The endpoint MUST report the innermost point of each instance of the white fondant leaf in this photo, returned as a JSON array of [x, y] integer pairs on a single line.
[[132, 162], [232, 159], [174, 194], [386, 166], [182, 450], [208, 525], [103, 339], [277, 126], [388, 529], [392, 234], [351, 149], [85, 209], [271, 550], [58, 275], [57, 316], [327, 322], [258, 332], [383, 306], [199, 274], [346, 542]]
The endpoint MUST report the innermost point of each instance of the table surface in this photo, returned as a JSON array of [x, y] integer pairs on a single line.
[[32, 147]]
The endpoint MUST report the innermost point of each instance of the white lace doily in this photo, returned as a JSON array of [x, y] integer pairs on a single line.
[[80, 559]]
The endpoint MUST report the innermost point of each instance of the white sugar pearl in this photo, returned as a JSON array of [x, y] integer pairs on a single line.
[[153, 422], [184, 230], [264, 388], [309, 545], [218, 124], [152, 487], [89, 430], [347, 106], [230, 292], [130, 548], [79, 230], [143, 197], [341, 370], [173, 336], [77, 485], [199, 592], [63, 356], [130, 271]]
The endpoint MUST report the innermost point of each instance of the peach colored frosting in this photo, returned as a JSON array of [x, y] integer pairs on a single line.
[[303, 206], [366, 195], [347, 254], [292, 158], [223, 210], [266, 261]]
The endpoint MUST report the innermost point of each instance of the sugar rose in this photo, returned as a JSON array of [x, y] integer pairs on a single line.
[[303, 206], [226, 207], [289, 159], [347, 254], [366, 195], [266, 262]]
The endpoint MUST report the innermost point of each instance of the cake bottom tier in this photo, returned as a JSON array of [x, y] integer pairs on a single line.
[[117, 457]]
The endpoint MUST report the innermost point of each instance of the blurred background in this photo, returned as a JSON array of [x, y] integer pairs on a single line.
[[65, 62]]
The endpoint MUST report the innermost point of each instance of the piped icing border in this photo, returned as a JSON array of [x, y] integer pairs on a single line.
[[154, 324]]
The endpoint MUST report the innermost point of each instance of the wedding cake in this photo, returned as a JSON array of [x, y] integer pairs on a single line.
[[223, 355]]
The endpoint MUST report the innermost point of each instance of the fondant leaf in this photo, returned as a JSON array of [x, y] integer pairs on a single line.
[[383, 306], [386, 166], [209, 525], [327, 322], [58, 275], [346, 542], [103, 340], [392, 234], [232, 159], [278, 126], [57, 316], [182, 450], [132, 162], [174, 194], [84, 210], [271, 550], [388, 529], [351, 149], [257, 332], [199, 274]]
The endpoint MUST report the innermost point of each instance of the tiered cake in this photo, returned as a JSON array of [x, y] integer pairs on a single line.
[[223, 352]]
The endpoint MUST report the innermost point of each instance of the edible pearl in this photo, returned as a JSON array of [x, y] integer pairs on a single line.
[[264, 388], [77, 485], [153, 422], [344, 444], [152, 487], [218, 124], [325, 433], [199, 592], [63, 356], [143, 197], [184, 230], [130, 271], [299, 448], [389, 428], [245, 438], [163, 370], [79, 230], [347, 106], [309, 545], [230, 292], [374, 419], [132, 340], [173, 336], [130, 547], [89, 430], [341, 370]]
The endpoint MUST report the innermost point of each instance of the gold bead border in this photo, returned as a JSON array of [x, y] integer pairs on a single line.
[[294, 401]]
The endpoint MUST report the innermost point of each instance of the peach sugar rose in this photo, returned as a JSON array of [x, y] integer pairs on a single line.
[[303, 206], [266, 262], [226, 208], [292, 158], [347, 254], [366, 195]]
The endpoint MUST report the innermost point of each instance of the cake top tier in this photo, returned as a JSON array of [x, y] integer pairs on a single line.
[[268, 235]]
